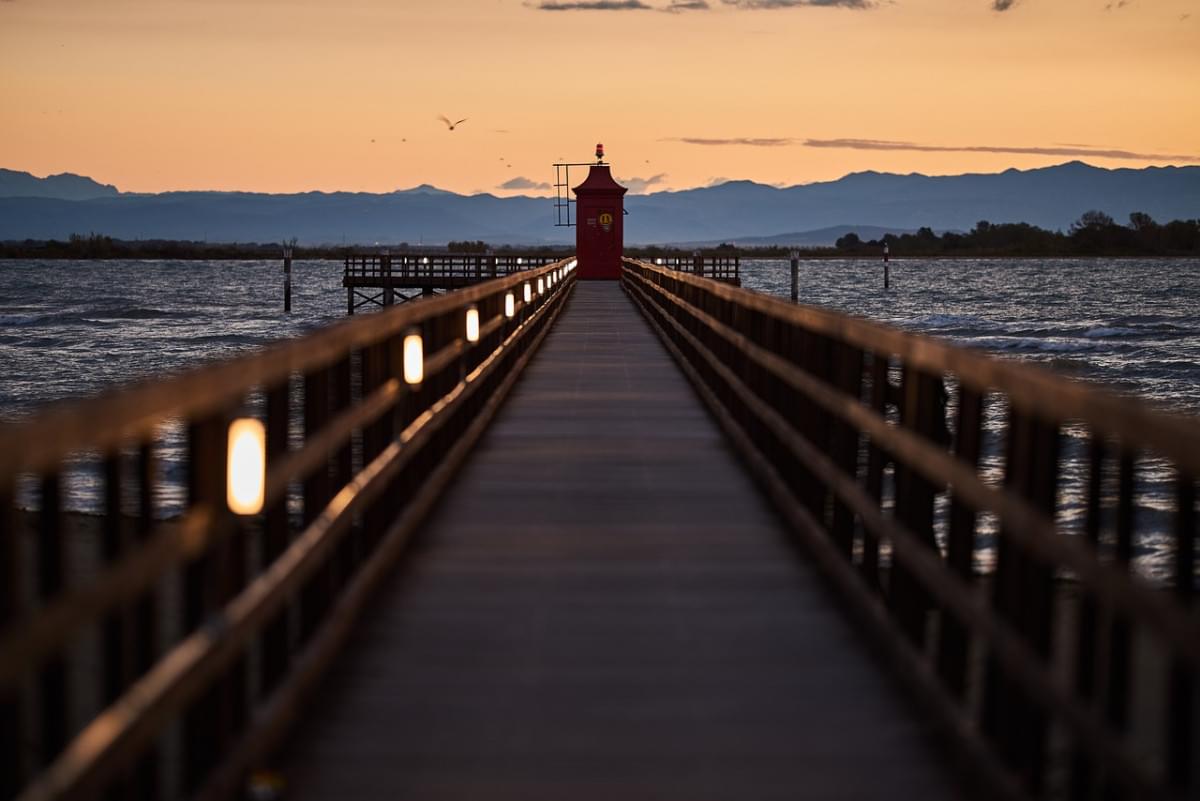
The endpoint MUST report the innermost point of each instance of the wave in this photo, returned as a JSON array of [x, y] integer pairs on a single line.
[[140, 313], [229, 339], [19, 319], [1104, 332], [1029, 344]]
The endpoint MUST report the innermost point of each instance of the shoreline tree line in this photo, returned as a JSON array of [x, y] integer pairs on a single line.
[[1095, 233]]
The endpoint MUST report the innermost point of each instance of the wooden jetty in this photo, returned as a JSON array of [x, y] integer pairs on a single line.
[[503, 553], [381, 280], [385, 279]]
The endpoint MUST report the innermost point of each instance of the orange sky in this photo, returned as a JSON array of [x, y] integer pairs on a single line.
[[293, 95]]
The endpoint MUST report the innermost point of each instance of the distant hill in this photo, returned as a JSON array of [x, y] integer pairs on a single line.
[[822, 237], [63, 187], [739, 211]]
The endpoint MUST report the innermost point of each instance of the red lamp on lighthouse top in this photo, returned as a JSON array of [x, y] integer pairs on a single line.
[[599, 152]]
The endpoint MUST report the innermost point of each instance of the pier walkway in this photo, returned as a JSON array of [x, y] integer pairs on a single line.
[[604, 607], [656, 537]]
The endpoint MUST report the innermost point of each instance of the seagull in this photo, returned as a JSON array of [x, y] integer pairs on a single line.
[[452, 125]]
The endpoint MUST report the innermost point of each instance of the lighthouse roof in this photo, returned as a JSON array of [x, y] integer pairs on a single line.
[[600, 180]]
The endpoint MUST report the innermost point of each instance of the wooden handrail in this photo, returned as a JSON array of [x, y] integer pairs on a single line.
[[790, 386], [410, 440], [1136, 423], [132, 412], [1030, 527]]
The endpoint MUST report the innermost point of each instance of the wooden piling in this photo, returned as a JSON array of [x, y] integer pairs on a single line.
[[287, 280], [795, 256]]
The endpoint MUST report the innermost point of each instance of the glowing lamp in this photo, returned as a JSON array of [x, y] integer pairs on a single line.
[[414, 357], [528, 292], [246, 473], [472, 323], [510, 305], [541, 286]]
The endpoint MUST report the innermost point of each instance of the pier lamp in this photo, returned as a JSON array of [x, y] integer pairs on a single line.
[[510, 305], [414, 357], [520, 261], [528, 292], [658, 262], [574, 263], [472, 323], [246, 466], [425, 260], [541, 286]]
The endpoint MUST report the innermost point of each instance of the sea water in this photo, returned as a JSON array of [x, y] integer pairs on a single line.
[[70, 329]]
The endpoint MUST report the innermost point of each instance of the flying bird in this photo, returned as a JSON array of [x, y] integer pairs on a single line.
[[451, 125]]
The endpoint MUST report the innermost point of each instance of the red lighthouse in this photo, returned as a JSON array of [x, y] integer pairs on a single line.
[[599, 230]]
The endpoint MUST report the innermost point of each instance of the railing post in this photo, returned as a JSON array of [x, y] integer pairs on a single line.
[[1181, 698], [1119, 668], [51, 565], [376, 371], [923, 413], [876, 462], [953, 642], [1023, 594], [343, 468], [146, 612], [847, 377], [275, 533], [117, 648], [202, 735], [1082, 766], [317, 492], [12, 743]]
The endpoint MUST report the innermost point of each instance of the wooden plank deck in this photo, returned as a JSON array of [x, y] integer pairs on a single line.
[[604, 607]]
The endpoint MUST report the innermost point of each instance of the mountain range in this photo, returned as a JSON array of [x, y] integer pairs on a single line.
[[740, 211]]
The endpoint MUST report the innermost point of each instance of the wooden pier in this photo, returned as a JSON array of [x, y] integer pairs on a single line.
[[378, 281], [385, 279], [654, 538]]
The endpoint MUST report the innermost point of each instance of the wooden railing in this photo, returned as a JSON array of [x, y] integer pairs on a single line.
[[723, 267], [171, 668], [903, 463], [460, 268]]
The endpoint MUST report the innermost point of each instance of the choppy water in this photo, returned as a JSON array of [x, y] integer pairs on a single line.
[[1131, 324], [70, 329]]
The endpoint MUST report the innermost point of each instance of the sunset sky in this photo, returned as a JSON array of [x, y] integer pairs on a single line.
[[295, 95]]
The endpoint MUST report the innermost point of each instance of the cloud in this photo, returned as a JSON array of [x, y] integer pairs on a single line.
[[639, 186], [1003, 5], [686, 5], [752, 142], [1094, 152], [593, 5], [521, 182], [1076, 151], [756, 4]]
